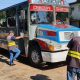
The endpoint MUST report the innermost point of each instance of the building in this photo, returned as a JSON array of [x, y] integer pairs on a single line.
[[75, 13]]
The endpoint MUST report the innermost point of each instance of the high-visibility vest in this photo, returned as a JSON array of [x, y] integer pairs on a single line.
[[74, 54], [11, 43]]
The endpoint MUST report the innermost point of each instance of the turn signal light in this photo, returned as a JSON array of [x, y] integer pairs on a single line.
[[51, 48]]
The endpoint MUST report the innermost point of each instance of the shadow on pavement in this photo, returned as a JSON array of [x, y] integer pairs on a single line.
[[25, 61], [3, 60], [53, 65], [40, 77], [4, 53], [46, 66]]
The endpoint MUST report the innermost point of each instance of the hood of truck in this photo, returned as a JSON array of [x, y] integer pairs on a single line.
[[61, 27], [59, 33]]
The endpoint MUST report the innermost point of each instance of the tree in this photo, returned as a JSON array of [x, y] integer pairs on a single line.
[[2, 15]]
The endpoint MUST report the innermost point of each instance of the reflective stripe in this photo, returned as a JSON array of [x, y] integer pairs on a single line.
[[74, 54], [11, 43]]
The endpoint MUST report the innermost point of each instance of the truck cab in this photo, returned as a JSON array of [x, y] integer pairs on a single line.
[[50, 32]]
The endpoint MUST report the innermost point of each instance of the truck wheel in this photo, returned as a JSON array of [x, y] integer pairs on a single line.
[[35, 57]]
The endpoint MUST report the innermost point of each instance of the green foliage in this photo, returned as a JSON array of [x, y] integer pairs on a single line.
[[2, 15]]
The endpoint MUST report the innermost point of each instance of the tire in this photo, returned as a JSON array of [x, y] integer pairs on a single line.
[[35, 57]]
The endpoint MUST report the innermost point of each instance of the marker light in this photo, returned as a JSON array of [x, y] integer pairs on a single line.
[[51, 48]]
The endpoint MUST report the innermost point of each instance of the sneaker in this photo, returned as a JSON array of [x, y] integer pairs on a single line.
[[15, 59], [12, 64]]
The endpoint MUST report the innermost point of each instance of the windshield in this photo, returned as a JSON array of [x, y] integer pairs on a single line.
[[61, 17], [41, 17]]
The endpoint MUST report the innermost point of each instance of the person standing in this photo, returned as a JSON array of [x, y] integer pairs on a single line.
[[73, 59], [12, 47]]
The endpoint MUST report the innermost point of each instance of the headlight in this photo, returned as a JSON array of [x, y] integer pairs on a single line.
[[58, 46]]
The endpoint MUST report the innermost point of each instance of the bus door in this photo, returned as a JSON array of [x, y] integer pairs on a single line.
[[23, 29]]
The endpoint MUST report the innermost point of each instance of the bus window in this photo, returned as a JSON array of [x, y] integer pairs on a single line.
[[11, 22], [3, 23]]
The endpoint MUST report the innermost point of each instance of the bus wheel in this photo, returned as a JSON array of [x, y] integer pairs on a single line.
[[35, 57]]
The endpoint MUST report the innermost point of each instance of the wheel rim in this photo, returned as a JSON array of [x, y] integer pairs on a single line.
[[35, 57]]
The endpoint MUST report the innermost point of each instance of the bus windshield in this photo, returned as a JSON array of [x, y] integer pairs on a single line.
[[41, 17], [61, 17]]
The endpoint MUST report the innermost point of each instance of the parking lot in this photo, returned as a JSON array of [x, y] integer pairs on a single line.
[[24, 71]]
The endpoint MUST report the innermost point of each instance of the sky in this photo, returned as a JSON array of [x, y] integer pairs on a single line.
[[70, 1], [6, 3]]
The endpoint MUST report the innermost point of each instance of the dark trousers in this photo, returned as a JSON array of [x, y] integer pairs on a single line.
[[72, 72]]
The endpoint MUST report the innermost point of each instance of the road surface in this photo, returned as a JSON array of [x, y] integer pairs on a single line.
[[23, 70]]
